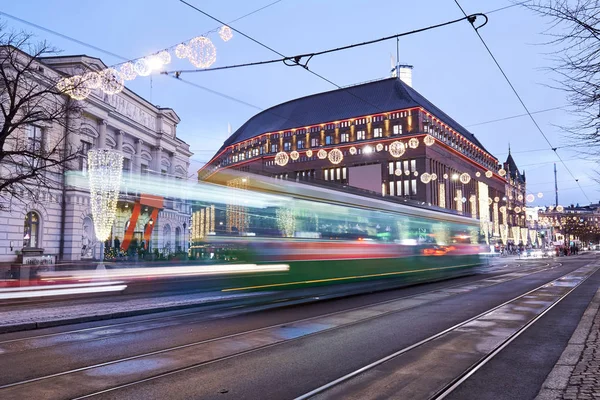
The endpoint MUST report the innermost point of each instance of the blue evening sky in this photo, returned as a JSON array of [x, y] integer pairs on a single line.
[[451, 66]]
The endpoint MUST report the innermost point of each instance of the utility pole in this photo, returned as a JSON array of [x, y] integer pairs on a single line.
[[555, 187]]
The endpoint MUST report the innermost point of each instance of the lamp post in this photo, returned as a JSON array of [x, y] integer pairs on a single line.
[[105, 168]]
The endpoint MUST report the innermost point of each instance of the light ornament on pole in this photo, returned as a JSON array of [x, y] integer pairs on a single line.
[[352, 150], [309, 153], [181, 51], [489, 174], [225, 33], [128, 71], [105, 167], [425, 178], [397, 149], [379, 147], [322, 154], [142, 67], [202, 53], [92, 79], [502, 172], [429, 140], [530, 198], [281, 158], [294, 155], [335, 156], [413, 143], [111, 81], [465, 178]]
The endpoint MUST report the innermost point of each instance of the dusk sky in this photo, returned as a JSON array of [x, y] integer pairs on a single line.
[[451, 66]]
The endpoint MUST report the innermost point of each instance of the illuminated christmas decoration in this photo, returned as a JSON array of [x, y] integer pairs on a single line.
[[64, 85], [442, 192], [496, 199], [524, 235], [503, 212], [294, 155], [181, 51], [465, 178], [142, 67], [367, 149], [425, 178], [202, 53], [398, 172], [225, 33], [516, 233], [496, 220], [309, 153], [92, 79], [540, 195], [407, 172], [413, 143], [128, 71], [352, 150], [530, 198], [78, 89], [502, 172], [489, 174], [445, 176], [454, 176], [517, 209], [458, 199], [154, 62], [397, 149], [282, 158], [477, 174], [504, 233], [520, 197], [490, 201], [164, 57], [322, 154], [433, 177], [335, 156], [415, 173], [473, 201], [379, 147], [105, 168], [286, 221], [560, 208], [429, 140], [111, 81], [533, 236]]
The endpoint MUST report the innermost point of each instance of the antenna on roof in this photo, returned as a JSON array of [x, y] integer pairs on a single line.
[[402, 71]]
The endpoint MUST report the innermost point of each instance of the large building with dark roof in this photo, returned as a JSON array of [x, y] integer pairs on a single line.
[[380, 136]]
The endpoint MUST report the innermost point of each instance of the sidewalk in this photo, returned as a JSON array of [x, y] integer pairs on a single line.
[[576, 375]]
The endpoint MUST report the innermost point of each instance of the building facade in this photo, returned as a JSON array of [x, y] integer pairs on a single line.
[[59, 223], [382, 137]]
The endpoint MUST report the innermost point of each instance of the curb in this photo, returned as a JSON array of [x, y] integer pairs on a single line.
[[557, 380]]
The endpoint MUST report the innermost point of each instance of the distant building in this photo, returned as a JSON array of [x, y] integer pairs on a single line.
[[381, 137], [516, 193], [568, 224], [59, 223]]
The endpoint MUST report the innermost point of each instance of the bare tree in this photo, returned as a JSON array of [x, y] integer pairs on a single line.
[[574, 31], [36, 119]]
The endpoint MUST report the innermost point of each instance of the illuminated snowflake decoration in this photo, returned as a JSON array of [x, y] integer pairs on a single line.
[[465, 178], [502, 172], [352, 150], [202, 53], [397, 149], [282, 158], [294, 155], [413, 143], [322, 154], [335, 156], [225, 33], [489, 174], [425, 178], [309, 153], [379, 147], [429, 140]]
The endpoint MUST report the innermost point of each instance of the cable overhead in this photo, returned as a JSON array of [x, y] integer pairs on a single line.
[[516, 116], [553, 148]]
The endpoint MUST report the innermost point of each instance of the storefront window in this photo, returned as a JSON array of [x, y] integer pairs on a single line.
[[31, 230]]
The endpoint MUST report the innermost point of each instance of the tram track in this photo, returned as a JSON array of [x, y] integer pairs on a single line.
[[361, 383], [234, 338]]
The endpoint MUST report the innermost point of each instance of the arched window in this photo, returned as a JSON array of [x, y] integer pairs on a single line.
[[31, 231], [178, 239]]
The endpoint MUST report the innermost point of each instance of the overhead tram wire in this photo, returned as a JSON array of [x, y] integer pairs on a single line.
[[515, 116], [553, 148]]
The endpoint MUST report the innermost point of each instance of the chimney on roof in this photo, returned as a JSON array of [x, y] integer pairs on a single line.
[[404, 72]]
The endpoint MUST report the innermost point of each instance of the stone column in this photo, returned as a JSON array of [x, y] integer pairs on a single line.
[[120, 135], [102, 134], [137, 158], [157, 152]]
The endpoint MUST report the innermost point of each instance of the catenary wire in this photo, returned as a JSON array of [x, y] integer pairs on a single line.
[[554, 149], [515, 116]]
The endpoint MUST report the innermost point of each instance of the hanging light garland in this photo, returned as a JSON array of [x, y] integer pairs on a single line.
[[413, 143], [335, 156], [281, 158], [202, 53], [322, 154], [294, 155], [397, 149], [181, 51], [105, 168], [225, 33], [128, 71], [429, 140]]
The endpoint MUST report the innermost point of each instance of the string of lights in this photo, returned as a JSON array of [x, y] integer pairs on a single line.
[[553, 148]]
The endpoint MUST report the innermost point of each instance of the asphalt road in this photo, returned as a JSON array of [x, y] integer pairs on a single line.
[[285, 352]]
